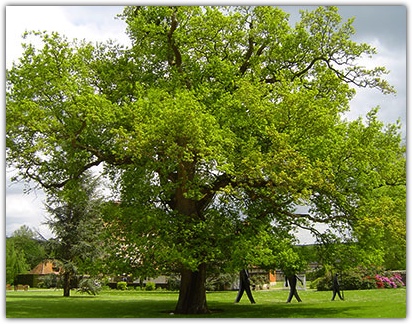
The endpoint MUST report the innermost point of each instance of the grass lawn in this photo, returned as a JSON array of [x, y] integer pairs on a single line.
[[377, 303]]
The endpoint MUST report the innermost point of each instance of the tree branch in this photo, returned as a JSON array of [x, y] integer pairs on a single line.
[[298, 74], [248, 55], [210, 191], [177, 61], [109, 158], [177, 56], [57, 185], [249, 52]]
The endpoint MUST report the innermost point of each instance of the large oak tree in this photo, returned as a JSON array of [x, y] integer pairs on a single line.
[[213, 126]]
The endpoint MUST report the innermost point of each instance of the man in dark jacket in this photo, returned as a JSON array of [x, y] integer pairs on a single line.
[[336, 287], [244, 284]]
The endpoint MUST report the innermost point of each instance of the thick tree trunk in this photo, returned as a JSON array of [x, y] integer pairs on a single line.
[[192, 294]]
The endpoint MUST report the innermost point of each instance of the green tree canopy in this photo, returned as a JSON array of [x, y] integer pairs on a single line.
[[31, 244], [212, 126]]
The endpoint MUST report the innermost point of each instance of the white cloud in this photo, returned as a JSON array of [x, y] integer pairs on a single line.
[[392, 106], [25, 18], [25, 209], [90, 23]]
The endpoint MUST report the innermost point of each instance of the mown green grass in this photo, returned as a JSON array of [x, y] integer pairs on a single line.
[[378, 303]]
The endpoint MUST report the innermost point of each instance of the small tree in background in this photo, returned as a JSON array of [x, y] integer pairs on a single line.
[[15, 261], [76, 221]]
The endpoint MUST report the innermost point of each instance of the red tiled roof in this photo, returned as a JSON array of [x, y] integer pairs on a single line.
[[45, 267]]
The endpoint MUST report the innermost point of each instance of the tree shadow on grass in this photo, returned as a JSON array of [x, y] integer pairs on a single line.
[[37, 306], [48, 296], [88, 306], [281, 311], [271, 311]]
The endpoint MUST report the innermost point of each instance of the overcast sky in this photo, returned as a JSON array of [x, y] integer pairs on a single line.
[[382, 26]]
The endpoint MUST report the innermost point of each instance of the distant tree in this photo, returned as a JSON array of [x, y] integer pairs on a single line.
[[15, 262], [76, 222], [31, 244], [210, 108]]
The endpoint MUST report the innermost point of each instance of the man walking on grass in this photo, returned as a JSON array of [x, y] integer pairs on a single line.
[[244, 284], [336, 287], [292, 279]]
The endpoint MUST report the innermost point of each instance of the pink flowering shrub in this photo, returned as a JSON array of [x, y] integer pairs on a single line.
[[393, 281]]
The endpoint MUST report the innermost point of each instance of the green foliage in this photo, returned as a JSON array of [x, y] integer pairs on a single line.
[[354, 281], [90, 286], [383, 231], [173, 283], [121, 285], [50, 281], [15, 261], [220, 281], [76, 222], [150, 285], [30, 244]]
